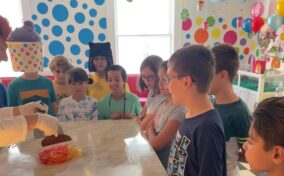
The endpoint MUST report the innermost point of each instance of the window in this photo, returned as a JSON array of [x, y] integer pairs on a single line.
[[11, 10], [143, 28]]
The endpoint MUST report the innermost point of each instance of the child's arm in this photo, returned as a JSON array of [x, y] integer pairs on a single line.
[[159, 141], [145, 121]]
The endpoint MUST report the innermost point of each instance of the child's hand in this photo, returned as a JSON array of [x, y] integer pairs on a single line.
[[117, 115], [128, 115]]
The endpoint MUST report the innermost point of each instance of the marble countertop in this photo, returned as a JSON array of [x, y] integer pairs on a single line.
[[109, 147]]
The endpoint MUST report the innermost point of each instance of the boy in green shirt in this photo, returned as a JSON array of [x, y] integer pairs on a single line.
[[233, 111]]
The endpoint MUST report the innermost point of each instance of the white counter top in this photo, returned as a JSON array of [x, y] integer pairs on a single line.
[[109, 147]]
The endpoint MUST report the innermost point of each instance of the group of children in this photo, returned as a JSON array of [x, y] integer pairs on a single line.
[[191, 133]]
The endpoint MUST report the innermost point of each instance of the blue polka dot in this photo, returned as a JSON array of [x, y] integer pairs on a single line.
[[45, 62], [102, 37], [45, 37], [86, 66], [102, 23], [87, 53], [75, 49], [79, 17], [220, 19], [91, 23], [93, 12], [70, 28], [84, 6], [49, 0], [68, 39], [241, 57], [73, 3], [234, 22], [60, 13], [187, 36], [57, 30], [34, 17], [45, 22], [42, 8], [79, 61], [85, 36], [56, 48], [99, 2], [37, 28]]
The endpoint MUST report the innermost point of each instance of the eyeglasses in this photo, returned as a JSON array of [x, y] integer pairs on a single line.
[[179, 77], [148, 78]]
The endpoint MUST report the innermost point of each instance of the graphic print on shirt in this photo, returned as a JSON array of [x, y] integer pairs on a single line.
[[178, 155], [35, 95]]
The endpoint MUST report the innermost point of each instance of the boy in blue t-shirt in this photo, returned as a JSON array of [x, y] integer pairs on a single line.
[[233, 111], [199, 145]]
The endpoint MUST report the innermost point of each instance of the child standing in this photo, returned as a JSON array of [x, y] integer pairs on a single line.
[[78, 106], [59, 67], [264, 149], [25, 48], [199, 145], [119, 104], [165, 123], [100, 59], [233, 111]]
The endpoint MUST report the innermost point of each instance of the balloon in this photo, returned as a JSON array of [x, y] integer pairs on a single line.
[[256, 24], [217, 1], [280, 8], [274, 22], [257, 9], [247, 25]]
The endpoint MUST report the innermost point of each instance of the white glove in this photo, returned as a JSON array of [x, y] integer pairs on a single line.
[[47, 124], [33, 107]]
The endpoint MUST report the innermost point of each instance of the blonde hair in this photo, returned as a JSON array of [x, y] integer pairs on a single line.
[[60, 62]]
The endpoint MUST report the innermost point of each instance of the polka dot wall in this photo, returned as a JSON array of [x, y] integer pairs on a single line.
[[66, 27], [216, 24]]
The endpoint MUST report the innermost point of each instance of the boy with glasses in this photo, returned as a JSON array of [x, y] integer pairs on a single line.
[[199, 145]]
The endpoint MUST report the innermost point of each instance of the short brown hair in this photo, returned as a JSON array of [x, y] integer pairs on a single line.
[[226, 58], [77, 74], [153, 62], [269, 121], [60, 62], [197, 62]]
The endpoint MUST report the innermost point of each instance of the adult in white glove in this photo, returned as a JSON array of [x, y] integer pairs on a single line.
[[32, 107], [14, 126]]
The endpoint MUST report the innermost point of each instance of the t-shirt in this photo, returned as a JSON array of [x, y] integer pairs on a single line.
[[21, 91], [164, 113], [70, 109], [236, 120], [108, 106], [3, 96], [199, 147], [61, 91], [99, 88]]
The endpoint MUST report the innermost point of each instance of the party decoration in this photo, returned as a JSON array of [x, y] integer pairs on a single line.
[[280, 8], [205, 25], [200, 5], [240, 22], [274, 21], [186, 21], [257, 9], [247, 25], [256, 24]]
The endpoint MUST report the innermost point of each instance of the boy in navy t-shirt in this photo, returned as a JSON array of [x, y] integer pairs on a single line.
[[199, 145]]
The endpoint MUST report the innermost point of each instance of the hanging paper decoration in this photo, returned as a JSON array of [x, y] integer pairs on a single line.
[[240, 22], [280, 8], [247, 25], [274, 22], [256, 24], [200, 5]]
